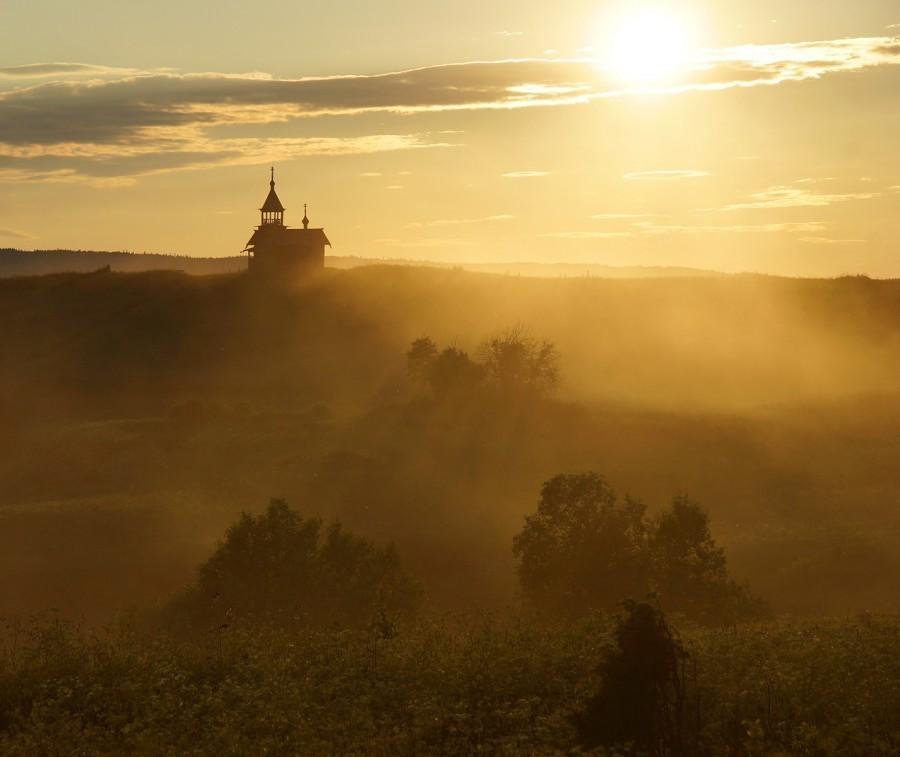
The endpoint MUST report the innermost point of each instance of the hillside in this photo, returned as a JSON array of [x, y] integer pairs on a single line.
[[41, 262], [143, 410]]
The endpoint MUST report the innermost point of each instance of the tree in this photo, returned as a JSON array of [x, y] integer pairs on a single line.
[[642, 696], [282, 568], [582, 550], [690, 569], [420, 359], [453, 373], [516, 364]]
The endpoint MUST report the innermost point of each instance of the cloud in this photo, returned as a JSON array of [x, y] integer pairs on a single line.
[[653, 229], [806, 227], [587, 234], [14, 234], [619, 216], [524, 174], [144, 121], [430, 242], [38, 70], [669, 175], [794, 197], [829, 240], [459, 221], [109, 166], [505, 33]]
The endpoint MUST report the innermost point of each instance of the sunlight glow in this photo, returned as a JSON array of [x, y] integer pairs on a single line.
[[650, 45]]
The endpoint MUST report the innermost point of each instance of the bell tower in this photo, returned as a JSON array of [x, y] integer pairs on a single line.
[[272, 211]]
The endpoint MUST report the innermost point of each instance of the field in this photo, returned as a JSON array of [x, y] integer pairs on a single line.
[[476, 685]]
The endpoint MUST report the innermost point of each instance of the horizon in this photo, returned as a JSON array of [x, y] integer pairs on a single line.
[[749, 139]]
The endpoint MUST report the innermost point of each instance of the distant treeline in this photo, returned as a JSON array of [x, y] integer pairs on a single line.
[[38, 262], [14, 262]]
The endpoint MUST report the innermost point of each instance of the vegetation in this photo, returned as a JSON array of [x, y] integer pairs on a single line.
[[141, 413], [643, 695], [583, 551], [475, 686], [281, 568]]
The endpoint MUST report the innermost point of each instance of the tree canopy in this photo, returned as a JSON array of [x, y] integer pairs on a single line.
[[283, 568], [584, 549]]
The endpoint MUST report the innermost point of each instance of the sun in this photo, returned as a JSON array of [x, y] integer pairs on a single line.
[[649, 45]]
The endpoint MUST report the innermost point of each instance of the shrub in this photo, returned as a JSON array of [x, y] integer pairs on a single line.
[[642, 699]]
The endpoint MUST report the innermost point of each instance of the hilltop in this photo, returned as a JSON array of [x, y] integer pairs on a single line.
[[14, 262]]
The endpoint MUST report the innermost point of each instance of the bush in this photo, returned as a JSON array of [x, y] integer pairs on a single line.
[[642, 699], [281, 568]]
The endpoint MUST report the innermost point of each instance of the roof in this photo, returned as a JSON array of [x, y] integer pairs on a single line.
[[272, 203], [282, 236]]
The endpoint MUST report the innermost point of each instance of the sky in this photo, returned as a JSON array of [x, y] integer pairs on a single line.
[[720, 134]]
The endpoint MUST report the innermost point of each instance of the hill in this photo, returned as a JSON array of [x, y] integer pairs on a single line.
[[142, 411], [40, 262]]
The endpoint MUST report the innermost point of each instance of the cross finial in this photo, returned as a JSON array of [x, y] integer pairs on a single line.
[[272, 182], [305, 219]]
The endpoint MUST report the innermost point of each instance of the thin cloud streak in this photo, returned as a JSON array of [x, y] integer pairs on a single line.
[[651, 229], [764, 228], [619, 216], [794, 197], [101, 166], [41, 70], [587, 234], [524, 174], [828, 240], [666, 175], [459, 221], [14, 234]]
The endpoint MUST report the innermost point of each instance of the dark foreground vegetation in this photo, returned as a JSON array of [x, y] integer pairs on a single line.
[[478, 685]]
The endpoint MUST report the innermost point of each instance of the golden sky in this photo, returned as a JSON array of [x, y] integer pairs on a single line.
[[722, 134]]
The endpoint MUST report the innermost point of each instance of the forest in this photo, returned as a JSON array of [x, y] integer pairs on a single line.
[[416, 510]]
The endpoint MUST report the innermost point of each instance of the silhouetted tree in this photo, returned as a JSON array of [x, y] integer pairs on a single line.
[[517, 364], [642, 696], [280, 567], [420, 359], [582, 550], [690, 570], [453, 372]]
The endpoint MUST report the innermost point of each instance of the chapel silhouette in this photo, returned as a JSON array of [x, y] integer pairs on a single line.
[[278, 252]]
